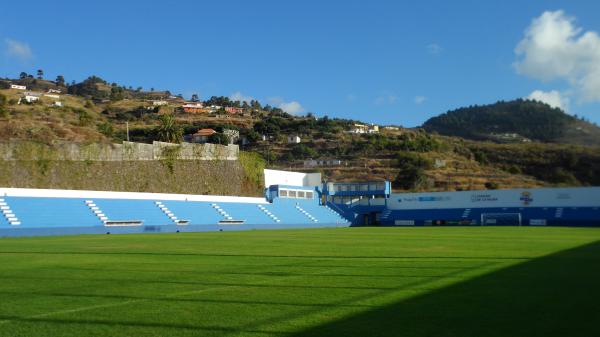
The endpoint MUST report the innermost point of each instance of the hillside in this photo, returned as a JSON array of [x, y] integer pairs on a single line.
[[413, 159], [515, 121]]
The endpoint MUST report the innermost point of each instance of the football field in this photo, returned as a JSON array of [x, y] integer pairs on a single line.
[[428, 281]]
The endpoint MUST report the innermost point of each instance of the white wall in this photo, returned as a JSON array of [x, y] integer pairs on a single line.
[[276, 177], [48, 193], [537, 197]]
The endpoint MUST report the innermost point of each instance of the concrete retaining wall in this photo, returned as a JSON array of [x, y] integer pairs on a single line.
[[127, 151]]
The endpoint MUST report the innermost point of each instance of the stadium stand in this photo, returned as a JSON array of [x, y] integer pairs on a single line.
[[52, 212], [59, 212]]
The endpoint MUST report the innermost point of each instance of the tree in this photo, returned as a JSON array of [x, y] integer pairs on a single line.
[[60, 80], [3, 111], [412, 170], [301, 151], [117, 93], [410, 177], [195, 98], [490, 185], [23, 75], [169, 130], [40, 74], [218, 138]]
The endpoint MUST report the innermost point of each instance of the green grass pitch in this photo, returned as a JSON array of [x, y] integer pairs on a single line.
[[464, 282]]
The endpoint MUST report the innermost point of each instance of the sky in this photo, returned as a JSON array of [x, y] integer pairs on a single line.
[[385, 62]]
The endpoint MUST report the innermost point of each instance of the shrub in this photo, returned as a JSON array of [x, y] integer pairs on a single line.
[[490, 185]]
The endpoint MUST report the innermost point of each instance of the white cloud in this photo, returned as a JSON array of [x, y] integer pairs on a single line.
[[434, 48], [387, 98], [18, 50], [237, 96], [293, 107], [420, 99], [554, 48], [553, 98]]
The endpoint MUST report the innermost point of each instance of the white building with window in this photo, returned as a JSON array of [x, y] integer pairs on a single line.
[[293, 139]]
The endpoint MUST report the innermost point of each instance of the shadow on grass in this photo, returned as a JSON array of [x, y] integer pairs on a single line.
[[555, 295]]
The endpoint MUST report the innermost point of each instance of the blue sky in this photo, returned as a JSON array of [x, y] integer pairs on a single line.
[[386, 62]]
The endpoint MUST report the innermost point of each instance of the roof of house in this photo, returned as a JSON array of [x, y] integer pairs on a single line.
[[205, 132]]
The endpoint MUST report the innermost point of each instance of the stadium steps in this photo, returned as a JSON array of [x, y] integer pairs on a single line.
[[466, 213], [268, 213], [167, 212], [385, 215], [308, 215], [558, 213], [222, 212], [8, 213], [96, 210]]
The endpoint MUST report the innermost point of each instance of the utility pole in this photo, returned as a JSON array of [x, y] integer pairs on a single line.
[[127, 126]]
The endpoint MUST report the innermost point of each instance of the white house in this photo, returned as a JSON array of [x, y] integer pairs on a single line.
[[58, 103], [159, 103], [361, 128], [31, 97], [52, 96], [18, 87], [54, 91], [293, 139]]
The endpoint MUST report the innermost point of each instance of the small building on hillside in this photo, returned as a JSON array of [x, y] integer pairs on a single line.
[[18, 87], [201, 136], [30, 97], [159, 103], [391, 128], [362, 128], [55, 96], [58, 103], [293, 139], [194, 108], [234, 110], [322, 162], [54, 91]]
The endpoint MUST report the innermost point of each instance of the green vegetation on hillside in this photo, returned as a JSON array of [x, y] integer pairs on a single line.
[[414, 282], [502, 121], [98, 111], [556, 164]]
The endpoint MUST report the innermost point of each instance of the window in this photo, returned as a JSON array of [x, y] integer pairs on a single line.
[[309, 195], [292, 194], [283, 193], [301, 194]]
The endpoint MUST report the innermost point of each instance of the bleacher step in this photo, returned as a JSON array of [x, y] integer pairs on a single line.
[[12, 219]]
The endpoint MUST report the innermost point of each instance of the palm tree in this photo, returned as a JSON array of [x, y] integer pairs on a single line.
[[168, 130]]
